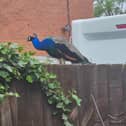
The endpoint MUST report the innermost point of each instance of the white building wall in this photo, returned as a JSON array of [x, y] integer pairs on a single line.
[[100, 40]]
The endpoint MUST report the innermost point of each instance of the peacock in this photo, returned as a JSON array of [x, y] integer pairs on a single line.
[[58, 48]]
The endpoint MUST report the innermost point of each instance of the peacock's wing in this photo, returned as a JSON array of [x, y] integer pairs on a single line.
[[54, 52], [69, 51]]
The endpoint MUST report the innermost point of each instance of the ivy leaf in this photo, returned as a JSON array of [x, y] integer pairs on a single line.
[[2, 87], [5, 51], [4, 74], [12, 94], [77, 99], [2, 59], [67, 101], [48, 93], [2, 97], [52, 76], [50, 101], [65, 109], [29, 78], [51, 85], [67, 123], [60, 105], [64, 116], [9, 68], [16, 95], [55, 113], [20, 48], [22, 63]]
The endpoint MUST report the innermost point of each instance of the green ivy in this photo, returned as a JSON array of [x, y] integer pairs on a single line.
[[20, 65]]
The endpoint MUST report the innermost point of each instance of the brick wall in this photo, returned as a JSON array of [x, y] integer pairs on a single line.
[[18, 18]]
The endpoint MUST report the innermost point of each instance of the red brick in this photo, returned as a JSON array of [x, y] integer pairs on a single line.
[[19, 18]]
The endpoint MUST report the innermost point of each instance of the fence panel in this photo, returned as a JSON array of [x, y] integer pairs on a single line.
[[5, 114], [107, 83]]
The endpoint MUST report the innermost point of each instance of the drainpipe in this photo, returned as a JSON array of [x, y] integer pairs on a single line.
[[67, 27], [68, 18]]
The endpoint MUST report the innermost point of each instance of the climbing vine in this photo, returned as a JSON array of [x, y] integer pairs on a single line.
[[20, 65]]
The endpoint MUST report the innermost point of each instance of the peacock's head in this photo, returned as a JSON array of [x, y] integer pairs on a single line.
[[30, 38]]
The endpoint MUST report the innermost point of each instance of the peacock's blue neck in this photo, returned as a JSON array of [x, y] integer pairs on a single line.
[[44, 44]]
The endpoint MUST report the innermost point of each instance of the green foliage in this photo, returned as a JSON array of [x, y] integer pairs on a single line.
[[4, 93], [109, 7], [15, 64]]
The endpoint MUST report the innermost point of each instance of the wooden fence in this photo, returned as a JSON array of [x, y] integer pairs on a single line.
[[107, 83]]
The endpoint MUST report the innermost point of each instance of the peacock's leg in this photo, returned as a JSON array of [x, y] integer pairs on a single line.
[[61, 61]]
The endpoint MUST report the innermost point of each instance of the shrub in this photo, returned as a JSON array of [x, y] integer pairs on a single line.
[[20, 65]]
